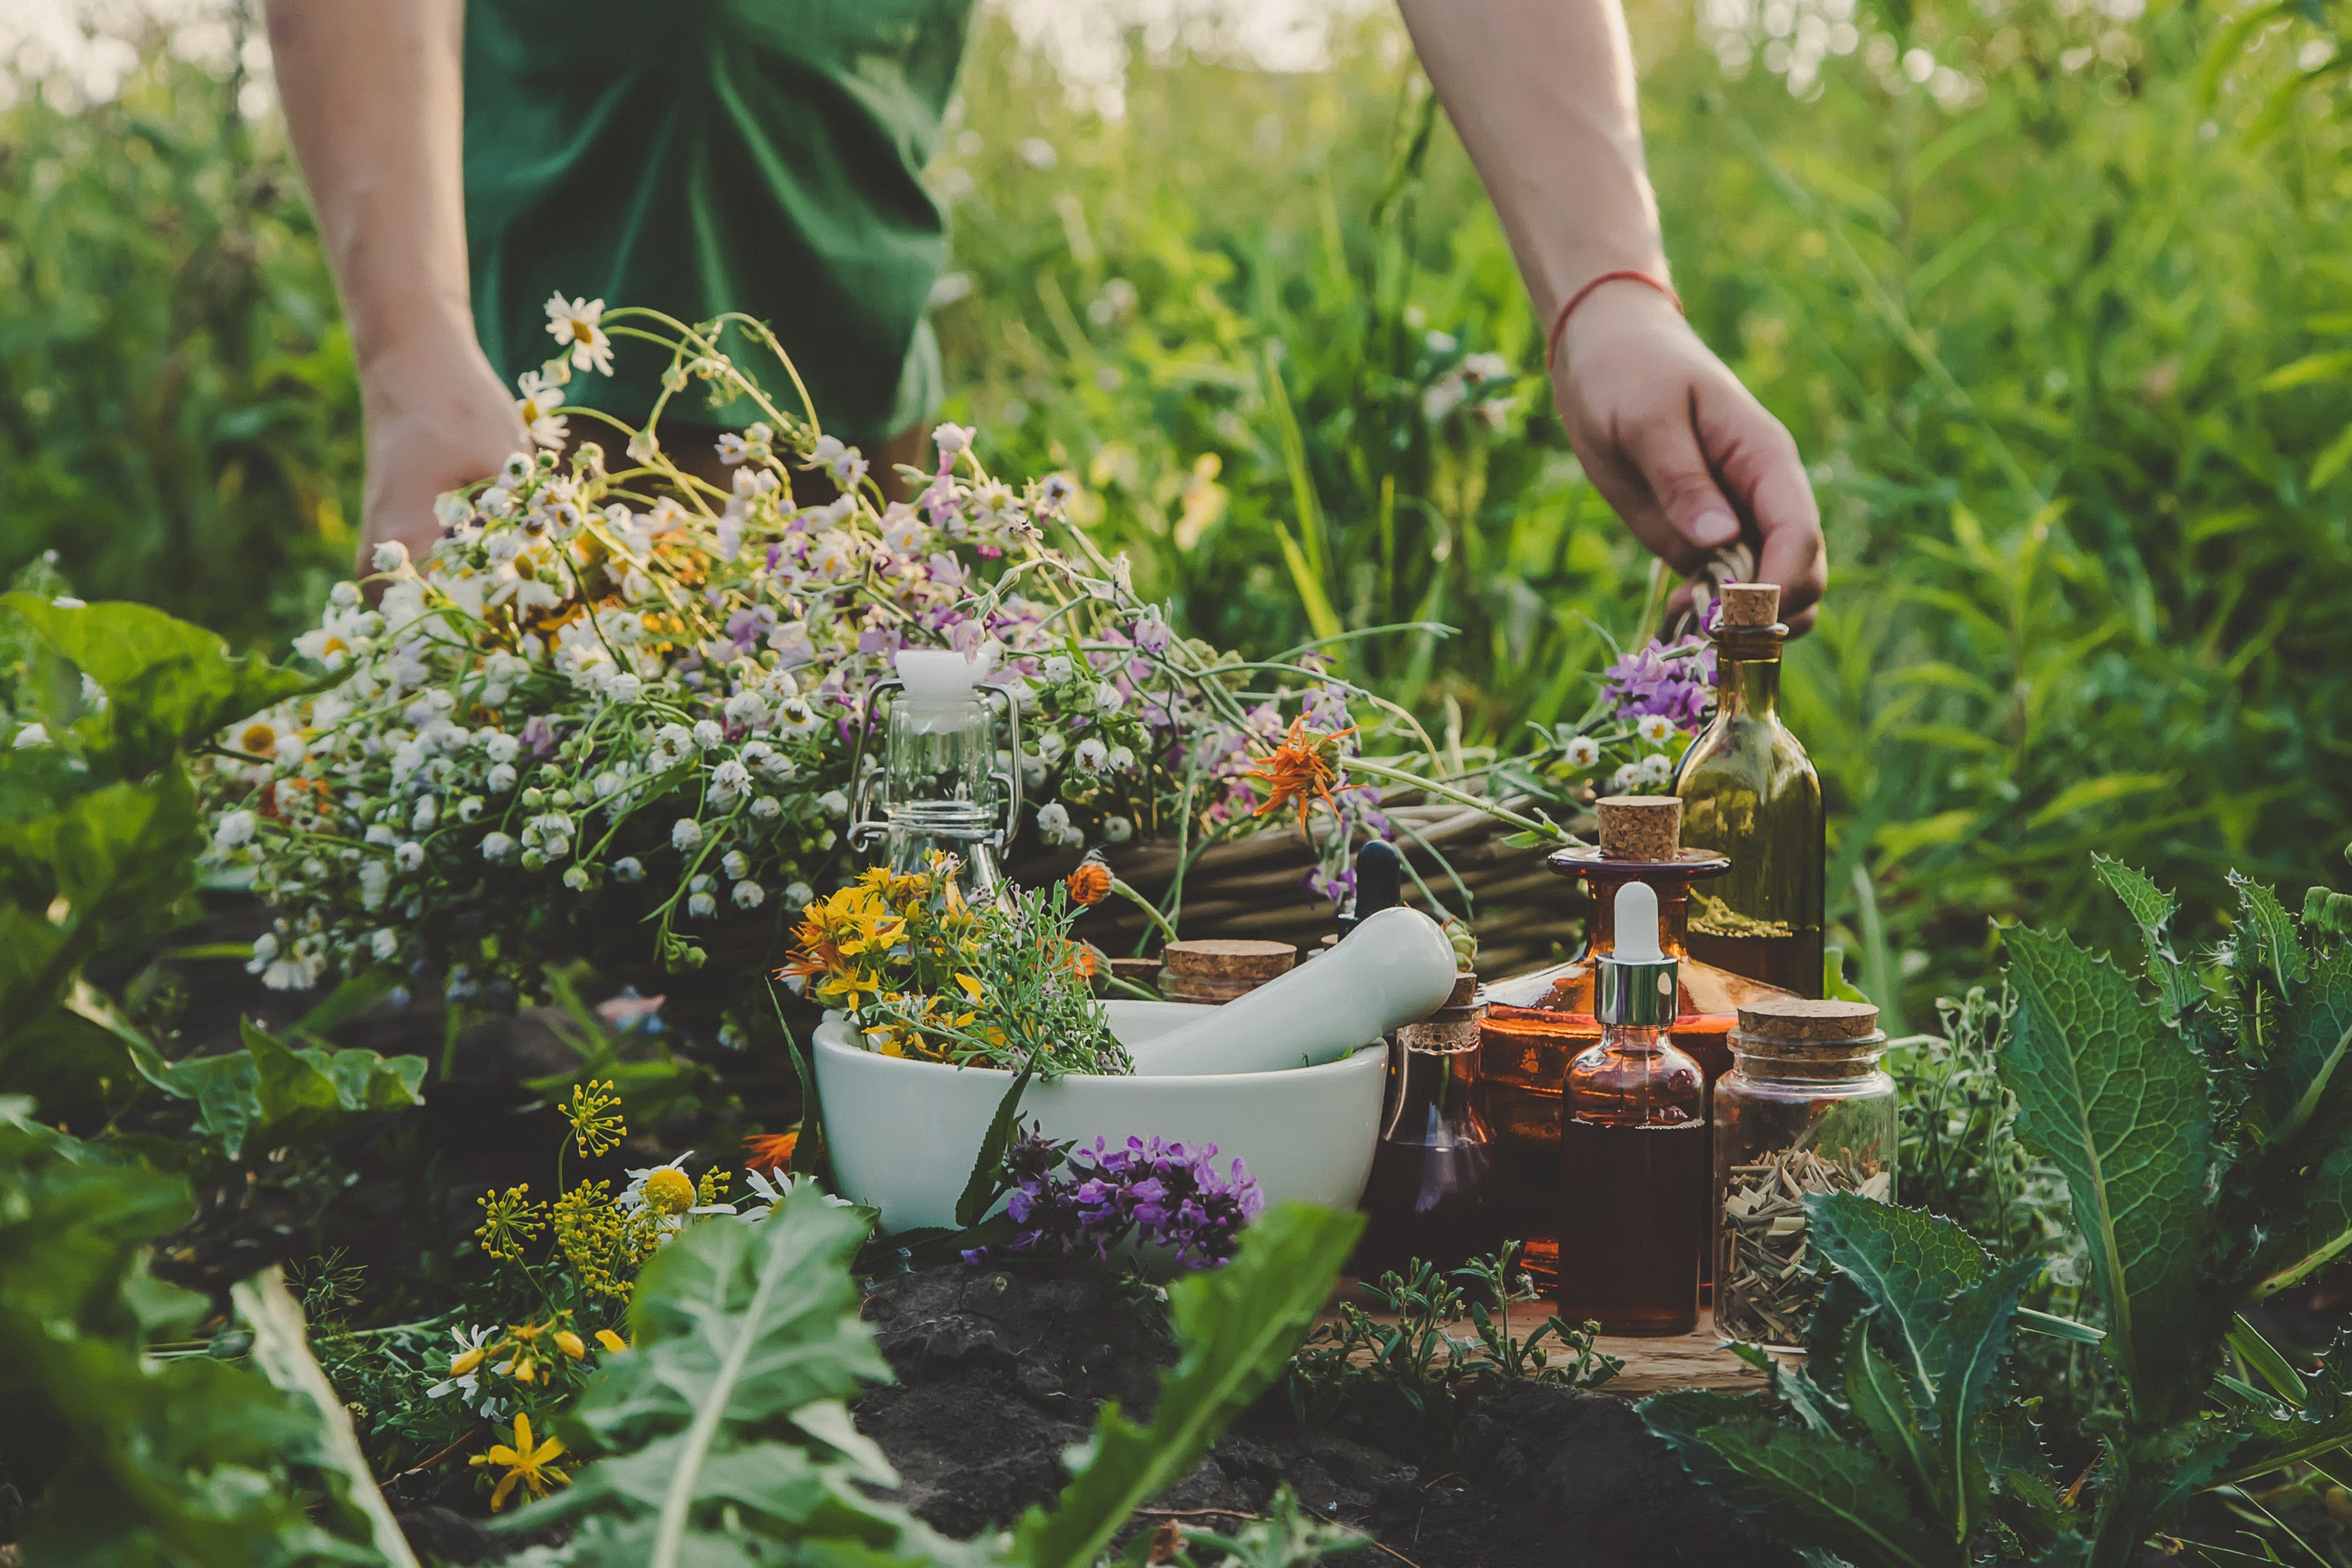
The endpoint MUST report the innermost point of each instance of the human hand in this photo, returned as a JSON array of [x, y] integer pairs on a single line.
[[437, 417], [1680, 449]]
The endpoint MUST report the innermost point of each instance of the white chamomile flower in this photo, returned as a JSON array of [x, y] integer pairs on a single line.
[[234, 828], [574, 325], [799, 895], [1051, 744], [1655, 728], [1580, 753], [767, 807], [1091, 755], [607, 784], [390, 556], [385, 943], [749, 895], [576, 879], [1117, 829], [1656, 769], [734, 863], [498, 747], [701, 906], [628, 868], [32, 735], [1625, 779], [684, 834], [426, 813], [1056, 669], [497, 846], [408, 856], [1108, 698], [951, 439], [708, 733], [731, 779], [537, 406], [1121, 760], [500, 779], [625, 687], [834, 803]]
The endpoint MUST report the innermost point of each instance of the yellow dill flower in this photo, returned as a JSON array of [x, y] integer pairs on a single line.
[[596, 1117], [531, 1467], [510, 1222]]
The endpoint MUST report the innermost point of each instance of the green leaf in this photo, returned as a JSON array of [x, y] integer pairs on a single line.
[[2115, 1099], [2331, 460], [744, 1334], [272, 1087], [2291, 1252], [281, 1349], [1977, 1323], [2303, 1083], [2083, 793], [2274, 940], [1876, 1396], [1831, 1493], [1235, 1328], [987, 1180], [2331, 365], [1908, 1264], [170, 685], [2152, 910]]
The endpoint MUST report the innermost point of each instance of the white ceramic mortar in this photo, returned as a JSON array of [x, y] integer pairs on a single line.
[[904, 1134]]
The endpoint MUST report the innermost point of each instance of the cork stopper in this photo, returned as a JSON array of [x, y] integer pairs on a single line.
[[1230, 959], [1801, 1020], [1646, 828], [1750, 605]]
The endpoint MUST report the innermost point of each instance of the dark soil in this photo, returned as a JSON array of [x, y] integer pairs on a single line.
[[1000, 1371]]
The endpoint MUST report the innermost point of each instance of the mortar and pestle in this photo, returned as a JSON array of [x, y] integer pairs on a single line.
[[1288, 1077]]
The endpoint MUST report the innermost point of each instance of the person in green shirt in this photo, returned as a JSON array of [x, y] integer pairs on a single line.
[[484, 170]]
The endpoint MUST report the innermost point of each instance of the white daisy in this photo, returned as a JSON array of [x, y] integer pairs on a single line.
[[574, 324]]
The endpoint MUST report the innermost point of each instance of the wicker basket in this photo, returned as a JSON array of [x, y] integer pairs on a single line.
[[1257, 887]]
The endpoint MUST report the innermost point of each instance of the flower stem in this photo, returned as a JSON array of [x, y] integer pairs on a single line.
[[1147, 906], [1544, 828]]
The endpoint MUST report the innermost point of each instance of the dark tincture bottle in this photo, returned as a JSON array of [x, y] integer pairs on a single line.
[[1633, 1148], [1749, 793], [1433, 1174], [1536, 1024]]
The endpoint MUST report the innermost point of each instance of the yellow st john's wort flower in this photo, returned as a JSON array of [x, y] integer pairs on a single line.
[[611, 1341], [531, 1467], [570, 1344]]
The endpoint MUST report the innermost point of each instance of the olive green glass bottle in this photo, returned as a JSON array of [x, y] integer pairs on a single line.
[[1749, 793]]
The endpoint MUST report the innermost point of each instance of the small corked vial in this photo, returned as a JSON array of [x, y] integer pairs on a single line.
[[1750, 605], [1805, 1109], [1645, 827], [1219, 969]]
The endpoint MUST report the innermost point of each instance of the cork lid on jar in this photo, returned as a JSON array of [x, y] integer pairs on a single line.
[[1831, 1038], [1748, 604], [1230, 959], [1639, 827]]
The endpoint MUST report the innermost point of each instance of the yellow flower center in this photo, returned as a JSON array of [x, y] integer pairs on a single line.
[[257, 737], [669, 1191]]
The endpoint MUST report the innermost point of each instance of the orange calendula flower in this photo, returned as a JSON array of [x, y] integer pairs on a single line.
[[1089, 884], [1303, 768], [770, 1151]]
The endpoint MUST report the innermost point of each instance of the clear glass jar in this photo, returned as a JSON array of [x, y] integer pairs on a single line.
[[1805, 1109]]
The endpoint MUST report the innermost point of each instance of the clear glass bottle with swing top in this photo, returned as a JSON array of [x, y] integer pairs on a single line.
[[1633, 1148], [939, 785]]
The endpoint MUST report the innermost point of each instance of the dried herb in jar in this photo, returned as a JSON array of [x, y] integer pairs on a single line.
[[1764, 1291]]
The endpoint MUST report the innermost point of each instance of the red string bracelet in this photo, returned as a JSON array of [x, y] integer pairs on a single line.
[[1626, 273]]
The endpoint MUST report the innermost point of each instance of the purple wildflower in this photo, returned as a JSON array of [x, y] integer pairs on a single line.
[[539, 734], [1164, 1194], [1674, 680]]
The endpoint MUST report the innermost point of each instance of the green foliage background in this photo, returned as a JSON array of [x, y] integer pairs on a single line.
[[2063, 329]]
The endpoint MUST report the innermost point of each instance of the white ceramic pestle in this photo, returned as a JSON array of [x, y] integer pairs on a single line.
[[1396, 967]]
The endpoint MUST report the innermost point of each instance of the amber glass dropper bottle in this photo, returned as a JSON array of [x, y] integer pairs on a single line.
[[1633, 1148], [1749, 793]]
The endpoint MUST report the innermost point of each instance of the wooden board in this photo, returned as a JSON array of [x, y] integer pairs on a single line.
[[1695, 1360]]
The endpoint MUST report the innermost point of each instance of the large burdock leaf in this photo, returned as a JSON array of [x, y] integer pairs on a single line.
[[1851, 1503], [2114, 1098], [169, 685]]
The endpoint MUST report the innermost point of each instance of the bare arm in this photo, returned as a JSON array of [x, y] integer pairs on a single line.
[[1542, 93], [374, 99]]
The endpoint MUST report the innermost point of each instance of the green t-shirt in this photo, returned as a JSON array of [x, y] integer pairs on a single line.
[[707, 155]]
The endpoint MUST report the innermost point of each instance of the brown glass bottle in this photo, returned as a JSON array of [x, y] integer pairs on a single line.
[[1536, 1024], [1634, 1155], [1431, 1193], [1749, 793]]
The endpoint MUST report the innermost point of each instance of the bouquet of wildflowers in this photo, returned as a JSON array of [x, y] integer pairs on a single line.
[[614, 708], [922, 973]]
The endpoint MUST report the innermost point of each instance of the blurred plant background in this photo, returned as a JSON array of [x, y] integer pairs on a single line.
[[2056, 297]]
